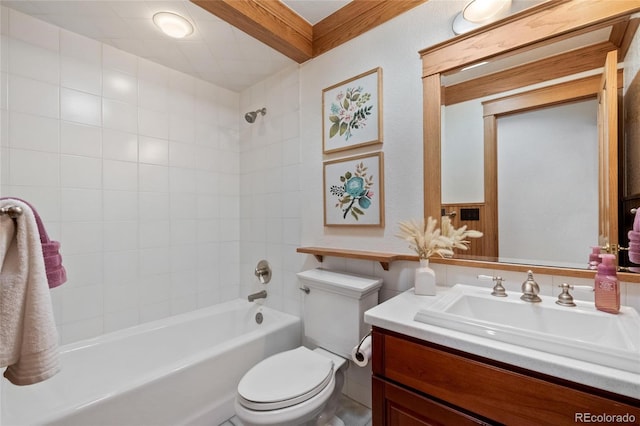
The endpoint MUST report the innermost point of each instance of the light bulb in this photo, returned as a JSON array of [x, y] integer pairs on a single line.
[[173, 25]]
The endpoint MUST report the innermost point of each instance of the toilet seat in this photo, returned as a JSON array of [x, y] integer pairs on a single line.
[[285, 379]]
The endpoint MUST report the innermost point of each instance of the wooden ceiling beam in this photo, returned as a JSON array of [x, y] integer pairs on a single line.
[[277, 26], [268, 21], [354, 19]]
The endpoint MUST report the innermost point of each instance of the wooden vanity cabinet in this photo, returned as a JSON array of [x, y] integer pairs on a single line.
[[420, 383]]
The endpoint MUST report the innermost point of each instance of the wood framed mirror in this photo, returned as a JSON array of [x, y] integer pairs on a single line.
[[532, 34]]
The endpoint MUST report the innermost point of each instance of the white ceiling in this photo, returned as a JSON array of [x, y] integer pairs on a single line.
[[216, 52], [315, 11]]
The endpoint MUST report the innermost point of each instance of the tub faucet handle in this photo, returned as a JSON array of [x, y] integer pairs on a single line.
[[263, 272]]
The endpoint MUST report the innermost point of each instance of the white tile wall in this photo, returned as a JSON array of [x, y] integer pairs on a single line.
[[128, 162], [268, 209]]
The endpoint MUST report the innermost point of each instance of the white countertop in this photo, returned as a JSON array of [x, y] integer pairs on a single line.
[[397, 313]]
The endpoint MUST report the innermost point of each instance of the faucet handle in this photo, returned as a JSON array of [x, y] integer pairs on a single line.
[[263, 272], [498, 289], [564, 298]]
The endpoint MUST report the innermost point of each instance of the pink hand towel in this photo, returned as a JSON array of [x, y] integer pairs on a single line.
[[636, 220], [56, 274], [28, 335]]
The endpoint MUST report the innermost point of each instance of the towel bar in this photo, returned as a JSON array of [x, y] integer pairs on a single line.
[[11, 211]]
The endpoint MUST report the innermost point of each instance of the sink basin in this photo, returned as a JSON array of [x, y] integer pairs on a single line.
[[580, 332]]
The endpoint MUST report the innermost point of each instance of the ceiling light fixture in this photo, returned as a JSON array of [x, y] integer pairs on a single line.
[[482, 10], [172, 24]]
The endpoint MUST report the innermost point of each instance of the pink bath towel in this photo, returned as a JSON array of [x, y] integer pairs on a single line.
[[28, 335], [56, 274]]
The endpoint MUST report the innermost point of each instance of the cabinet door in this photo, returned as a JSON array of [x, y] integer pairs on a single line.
[[397, 406]]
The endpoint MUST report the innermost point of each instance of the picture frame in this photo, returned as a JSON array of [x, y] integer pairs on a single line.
[[354, 191], [352, 112]]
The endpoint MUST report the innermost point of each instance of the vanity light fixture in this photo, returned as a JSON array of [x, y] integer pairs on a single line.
[[173, 24], [482, 10]]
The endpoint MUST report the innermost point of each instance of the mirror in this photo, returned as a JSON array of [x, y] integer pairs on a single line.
[[470, 73]]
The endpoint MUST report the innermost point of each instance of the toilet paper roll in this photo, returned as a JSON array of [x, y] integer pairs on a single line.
[[362, 356]]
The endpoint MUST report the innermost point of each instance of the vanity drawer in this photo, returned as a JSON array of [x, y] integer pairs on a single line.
[[488, 390]]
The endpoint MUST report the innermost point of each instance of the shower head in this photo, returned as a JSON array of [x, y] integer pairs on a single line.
[[251, 116]]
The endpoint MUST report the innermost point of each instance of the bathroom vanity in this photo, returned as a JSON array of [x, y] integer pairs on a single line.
[[425, 374]]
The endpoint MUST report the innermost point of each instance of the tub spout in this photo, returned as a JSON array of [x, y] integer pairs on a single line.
[[259, 295]]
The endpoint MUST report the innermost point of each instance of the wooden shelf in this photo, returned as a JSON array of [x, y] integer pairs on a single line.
[[384, 258]]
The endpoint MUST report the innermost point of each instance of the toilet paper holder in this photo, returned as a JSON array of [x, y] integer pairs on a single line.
[[358, 354]]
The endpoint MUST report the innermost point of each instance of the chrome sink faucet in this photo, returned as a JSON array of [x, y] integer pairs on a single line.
[[530, 289]]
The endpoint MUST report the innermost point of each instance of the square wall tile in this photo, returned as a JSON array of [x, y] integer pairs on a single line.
[[120, 235], [34, 97], [80, 139], [79, 75], [153, 123], [154, 206], [81, 205], [154, 178], [120, 206], [120, 86], [119, 116], [80, 107], [80, 172], [81, 237], [33, 168], [34, 62], [118, 145], [153, 150], [120, 175], [34, 132]]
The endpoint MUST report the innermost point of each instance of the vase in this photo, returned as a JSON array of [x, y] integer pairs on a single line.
[[425, 279]]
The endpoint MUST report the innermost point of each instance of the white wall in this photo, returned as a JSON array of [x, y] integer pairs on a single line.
[[548, 184], [463, 153], [394, 47], [134, 167]]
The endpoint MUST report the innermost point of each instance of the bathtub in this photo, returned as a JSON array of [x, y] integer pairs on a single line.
[[181, 370]]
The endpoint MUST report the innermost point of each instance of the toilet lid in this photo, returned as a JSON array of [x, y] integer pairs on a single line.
[[285, 379]]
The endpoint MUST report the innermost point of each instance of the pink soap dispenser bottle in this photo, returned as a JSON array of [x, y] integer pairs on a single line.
[[607, 287], [594, 257]]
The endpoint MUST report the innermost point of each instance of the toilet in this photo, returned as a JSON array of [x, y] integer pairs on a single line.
[[302, 386]]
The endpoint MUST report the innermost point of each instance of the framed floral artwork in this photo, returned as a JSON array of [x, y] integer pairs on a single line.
[[352, 112], [354, 191]]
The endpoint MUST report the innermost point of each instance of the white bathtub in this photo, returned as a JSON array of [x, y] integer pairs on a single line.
[[181, 370]]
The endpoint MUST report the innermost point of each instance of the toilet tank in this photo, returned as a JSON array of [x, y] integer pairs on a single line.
[[334, 308]]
